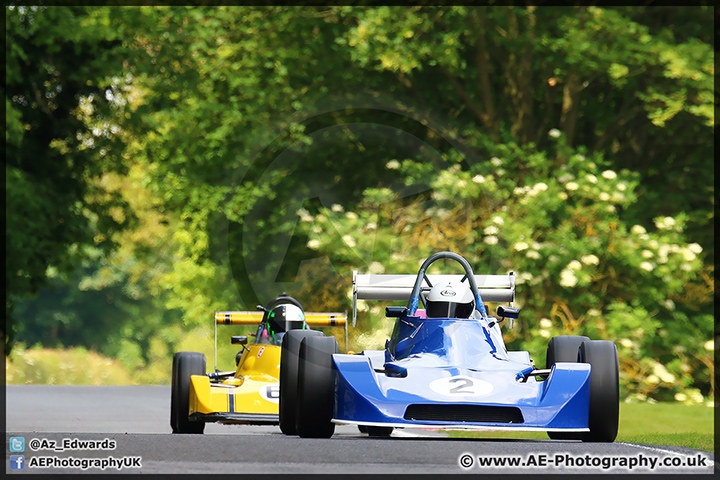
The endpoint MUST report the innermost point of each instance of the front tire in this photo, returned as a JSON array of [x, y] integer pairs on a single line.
[[316, 388], [564, 348], [185, 364], [604, 390], [379, 431], [289, 361]]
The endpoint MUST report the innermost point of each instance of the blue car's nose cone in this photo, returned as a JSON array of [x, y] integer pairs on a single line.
[[457, 372]]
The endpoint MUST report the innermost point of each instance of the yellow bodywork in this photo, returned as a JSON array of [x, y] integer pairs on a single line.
[[254, 389], [252, 394]]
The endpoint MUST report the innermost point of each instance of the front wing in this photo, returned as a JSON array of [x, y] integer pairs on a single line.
[[461, 399], [254, 402]]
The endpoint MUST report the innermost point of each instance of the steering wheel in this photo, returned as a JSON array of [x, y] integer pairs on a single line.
[[414, 301]]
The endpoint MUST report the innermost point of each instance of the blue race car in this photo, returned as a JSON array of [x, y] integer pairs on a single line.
[[446, 367]]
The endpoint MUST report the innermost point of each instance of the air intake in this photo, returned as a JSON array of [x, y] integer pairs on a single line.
[[464, 413]]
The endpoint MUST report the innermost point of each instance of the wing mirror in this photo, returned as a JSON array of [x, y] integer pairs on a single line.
[[396, 312], [239, 340], [506, 312]]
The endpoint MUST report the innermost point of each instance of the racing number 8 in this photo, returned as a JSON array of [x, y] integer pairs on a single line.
[[272, 392]]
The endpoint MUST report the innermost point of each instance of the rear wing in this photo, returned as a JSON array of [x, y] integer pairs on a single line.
[[492, 288], [313, 319], [253, 318]]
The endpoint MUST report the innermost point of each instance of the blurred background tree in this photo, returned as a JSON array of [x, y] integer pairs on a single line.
[[238, 152]]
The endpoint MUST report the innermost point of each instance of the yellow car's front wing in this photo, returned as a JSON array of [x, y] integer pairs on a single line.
[[251, 396]]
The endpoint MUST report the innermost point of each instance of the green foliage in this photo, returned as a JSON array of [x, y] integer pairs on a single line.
[[580, 269], [60, 139], [75, 366], [201, 158]]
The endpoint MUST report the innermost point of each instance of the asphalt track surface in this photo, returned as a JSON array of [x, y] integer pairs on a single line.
[[136, 419]]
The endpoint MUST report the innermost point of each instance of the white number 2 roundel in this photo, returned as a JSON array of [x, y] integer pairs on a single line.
[[460, 385]]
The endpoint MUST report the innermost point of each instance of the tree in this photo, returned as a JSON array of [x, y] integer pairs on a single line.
[[288, 146], [60, 140]]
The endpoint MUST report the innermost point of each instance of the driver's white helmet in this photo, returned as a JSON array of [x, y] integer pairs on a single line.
[[450, 300], [285, 317]]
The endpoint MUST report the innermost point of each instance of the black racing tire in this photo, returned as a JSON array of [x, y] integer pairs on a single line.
[[604, 390], [316, 388], [289, 360], [363, 428], [379, 431], [185, 364], [564, 348]]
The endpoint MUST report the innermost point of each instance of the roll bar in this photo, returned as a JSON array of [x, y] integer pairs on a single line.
[[491, 288], [414, 301]]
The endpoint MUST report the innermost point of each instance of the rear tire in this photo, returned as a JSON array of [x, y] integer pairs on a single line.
[[289, 361], [316, 388], [185, 364], [604, 390], [564, 348]]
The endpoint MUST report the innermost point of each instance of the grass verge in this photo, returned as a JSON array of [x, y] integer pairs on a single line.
[[670, 424]]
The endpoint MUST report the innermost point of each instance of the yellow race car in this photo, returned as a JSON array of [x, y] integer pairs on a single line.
[[251, 393]]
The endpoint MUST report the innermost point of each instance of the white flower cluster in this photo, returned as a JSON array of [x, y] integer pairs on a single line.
[[531, 191], [491, 240], [638, 230], [545, 326], [590, 259], [376, 267], [647, 266], [660, 374], [523, 277], [568, 278], [665, 223], [695, 397], [349, 241], [520, 246], [567, 275], [304, 215]]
